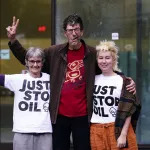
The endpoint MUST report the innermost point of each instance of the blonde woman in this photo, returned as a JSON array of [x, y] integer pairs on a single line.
[[115, 110]]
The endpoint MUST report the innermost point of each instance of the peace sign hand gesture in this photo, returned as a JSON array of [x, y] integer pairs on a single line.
[[11, 30]]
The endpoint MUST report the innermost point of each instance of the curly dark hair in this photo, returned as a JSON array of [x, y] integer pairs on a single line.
[[73, 19]]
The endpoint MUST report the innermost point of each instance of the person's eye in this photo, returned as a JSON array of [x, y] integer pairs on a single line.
[[38, 61], [100, 58], [70, 30], [107, 57], [32, 61]]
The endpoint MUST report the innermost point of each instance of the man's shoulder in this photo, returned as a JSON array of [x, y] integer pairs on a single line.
[[90, 48], [56, 47]]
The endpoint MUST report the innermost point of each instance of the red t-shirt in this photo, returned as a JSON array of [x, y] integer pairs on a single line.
[[73, 94]]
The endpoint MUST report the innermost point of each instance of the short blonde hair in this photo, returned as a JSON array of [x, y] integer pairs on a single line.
[[111, 47]]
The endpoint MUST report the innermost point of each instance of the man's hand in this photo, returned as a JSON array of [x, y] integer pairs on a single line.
[[131, 87], [11, 30]]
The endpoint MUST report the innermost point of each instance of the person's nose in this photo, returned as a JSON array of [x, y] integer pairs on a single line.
[[35, 64], [104, 60], [73, 32]]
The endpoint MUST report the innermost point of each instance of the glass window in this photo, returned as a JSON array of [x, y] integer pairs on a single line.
[[127, 23], [143, 70], [34, 30]]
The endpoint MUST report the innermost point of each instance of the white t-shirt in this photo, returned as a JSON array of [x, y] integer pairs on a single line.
[[107, 91], [31, 102]]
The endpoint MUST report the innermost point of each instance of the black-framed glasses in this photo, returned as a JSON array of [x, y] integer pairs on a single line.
[[76, 30]]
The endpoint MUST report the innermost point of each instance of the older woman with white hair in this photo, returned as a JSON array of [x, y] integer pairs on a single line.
[[115, 110], [31, 117]]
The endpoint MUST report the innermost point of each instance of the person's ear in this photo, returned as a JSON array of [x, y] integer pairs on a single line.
[[82, 32], [65, 34], [26, 63], [114, 62], [114, 59]]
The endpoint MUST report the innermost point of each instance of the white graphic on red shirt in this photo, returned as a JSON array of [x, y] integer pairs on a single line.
[[73, 71]]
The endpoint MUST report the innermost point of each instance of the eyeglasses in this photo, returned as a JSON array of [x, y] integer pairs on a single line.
[[76, 30], [32, 62]]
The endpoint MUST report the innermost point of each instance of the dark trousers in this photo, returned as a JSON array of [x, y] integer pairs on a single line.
[[80, 129]]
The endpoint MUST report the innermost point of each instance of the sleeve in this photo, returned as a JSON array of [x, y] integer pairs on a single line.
[[10, 82], [130, 104], [2, 79], [119, 73], [49, 59], [18, 51]]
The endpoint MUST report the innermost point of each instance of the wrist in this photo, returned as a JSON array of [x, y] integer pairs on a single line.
[[12, 40], [123, 134]]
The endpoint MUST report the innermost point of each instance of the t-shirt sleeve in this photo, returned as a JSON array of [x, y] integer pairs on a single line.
[[10, 81], [2, 79]]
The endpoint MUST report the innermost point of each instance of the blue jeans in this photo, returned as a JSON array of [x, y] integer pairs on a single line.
[[80, 129]]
